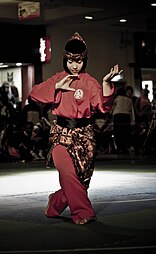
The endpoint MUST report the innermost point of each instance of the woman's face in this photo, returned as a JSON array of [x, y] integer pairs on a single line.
[[74, 66]]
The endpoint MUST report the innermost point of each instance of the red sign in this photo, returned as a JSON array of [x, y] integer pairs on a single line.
[[45, 49]]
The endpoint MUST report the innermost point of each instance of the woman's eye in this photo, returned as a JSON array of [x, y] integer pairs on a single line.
[[70, 61]]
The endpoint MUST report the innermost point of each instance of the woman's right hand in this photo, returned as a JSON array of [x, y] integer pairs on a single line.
[[65, 83]]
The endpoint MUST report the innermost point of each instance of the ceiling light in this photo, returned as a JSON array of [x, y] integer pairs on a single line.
[[153, 4], [18, 64], [123, 20], [4, 66], [143, 44], [89, 17]]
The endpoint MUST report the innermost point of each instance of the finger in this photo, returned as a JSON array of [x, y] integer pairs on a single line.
[[65, 78], [73, 75], [69, 78], [71, 89], [69, 81], [116, 68], [112, 69], [117, 71]]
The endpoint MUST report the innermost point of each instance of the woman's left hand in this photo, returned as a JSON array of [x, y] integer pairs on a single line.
[[115, 70]]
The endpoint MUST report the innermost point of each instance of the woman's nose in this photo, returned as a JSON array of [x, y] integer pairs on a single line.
[[75, 65]]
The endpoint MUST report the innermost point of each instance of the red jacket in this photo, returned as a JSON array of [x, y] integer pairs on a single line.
[[84, 102]]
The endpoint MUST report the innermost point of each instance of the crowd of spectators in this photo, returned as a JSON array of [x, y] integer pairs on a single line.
[[131, 125], [24, 132]]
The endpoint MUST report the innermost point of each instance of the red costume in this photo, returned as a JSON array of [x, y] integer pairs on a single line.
[[72, 147], [82, 103]]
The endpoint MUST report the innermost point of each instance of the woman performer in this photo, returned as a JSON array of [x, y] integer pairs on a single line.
[[75, 97]]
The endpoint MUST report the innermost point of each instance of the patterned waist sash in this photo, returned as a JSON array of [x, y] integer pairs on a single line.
[[80, 144]]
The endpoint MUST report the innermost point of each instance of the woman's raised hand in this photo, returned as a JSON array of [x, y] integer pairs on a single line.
[[65, 83], [115, 70]]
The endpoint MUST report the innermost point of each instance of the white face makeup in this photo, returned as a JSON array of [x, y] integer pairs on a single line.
[[74, 66]]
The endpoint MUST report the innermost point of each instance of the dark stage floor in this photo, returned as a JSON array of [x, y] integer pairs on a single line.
[[122, 191]]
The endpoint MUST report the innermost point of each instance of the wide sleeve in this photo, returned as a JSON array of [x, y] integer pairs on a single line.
[[100, 102], [108, 100], [45, 92]]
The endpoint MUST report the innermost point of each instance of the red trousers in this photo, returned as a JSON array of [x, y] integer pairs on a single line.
[[72, 192]]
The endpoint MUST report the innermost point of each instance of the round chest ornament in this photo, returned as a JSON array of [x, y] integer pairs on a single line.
[[78, 94]]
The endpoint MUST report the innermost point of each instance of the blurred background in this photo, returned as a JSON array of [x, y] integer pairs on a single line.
[[33, 35]]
